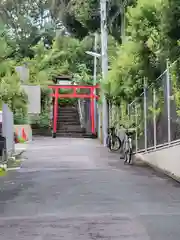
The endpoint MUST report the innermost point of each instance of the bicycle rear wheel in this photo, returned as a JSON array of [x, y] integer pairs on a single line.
[[114, 143], [130, 156]]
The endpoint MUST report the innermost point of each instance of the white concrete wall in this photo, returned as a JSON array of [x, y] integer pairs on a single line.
[[8, 129], [167, 160], [34, 98]]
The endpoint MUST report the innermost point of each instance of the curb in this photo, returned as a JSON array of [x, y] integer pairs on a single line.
[[13, 169]]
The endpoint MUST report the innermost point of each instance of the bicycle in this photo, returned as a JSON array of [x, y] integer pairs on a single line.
[[128, 145], [113, 142]]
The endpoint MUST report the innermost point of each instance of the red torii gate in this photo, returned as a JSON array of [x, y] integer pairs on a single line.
[[74, 94]]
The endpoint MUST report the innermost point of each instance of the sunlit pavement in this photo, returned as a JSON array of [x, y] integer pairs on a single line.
[[74, 189]]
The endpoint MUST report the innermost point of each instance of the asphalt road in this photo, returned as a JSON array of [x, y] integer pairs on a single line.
[[73, 189]]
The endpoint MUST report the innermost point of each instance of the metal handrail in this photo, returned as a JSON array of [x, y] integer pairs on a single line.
[[80, 112]]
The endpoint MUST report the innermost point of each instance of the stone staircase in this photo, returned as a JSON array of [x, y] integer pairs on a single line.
[[68, 123]]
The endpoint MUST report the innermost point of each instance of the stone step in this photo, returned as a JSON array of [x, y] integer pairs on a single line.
[[67, 123], [67, 108], [67, 114], [75, 135], [68, 120], [68, 117], [70, 131], [70, 125], [67, 111], [61, 126], [70, 135]]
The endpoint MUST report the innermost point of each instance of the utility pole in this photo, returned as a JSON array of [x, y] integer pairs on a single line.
[[95, 76], [124, 4], [104, 59], [123, 22], [95, 57]]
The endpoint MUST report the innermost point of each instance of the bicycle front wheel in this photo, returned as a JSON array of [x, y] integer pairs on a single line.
[[128, 155], [114, 144]]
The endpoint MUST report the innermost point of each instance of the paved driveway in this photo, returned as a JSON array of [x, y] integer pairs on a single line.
[[73, 189]]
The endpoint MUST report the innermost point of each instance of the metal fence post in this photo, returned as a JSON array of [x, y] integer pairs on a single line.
[[136, 122], [104, 62], [110, 122], [168, 101], [95, 80], [128, 110], [154, 117], [145, 115]]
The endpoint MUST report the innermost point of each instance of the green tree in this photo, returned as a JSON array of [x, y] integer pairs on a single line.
[[10, 90], [82, 17], [27, 23], [145, 50]]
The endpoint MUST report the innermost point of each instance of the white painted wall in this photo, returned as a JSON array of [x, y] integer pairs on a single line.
[[34, 98], [8, 128], [167, 159]]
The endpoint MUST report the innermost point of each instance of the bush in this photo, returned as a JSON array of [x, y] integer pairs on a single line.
[[40, 121], [20, 117]]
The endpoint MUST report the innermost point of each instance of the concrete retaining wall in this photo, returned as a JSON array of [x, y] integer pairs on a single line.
[[166, 160]]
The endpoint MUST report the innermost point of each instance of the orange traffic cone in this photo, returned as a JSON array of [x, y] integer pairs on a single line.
[[24, 136]]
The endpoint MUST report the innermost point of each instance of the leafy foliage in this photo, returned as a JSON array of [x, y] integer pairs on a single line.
[[52, 36], [82, 17], [152, 37], [26, 22], [10, 91]]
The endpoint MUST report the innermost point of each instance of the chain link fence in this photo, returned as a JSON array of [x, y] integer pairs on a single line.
[[155, 113]]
